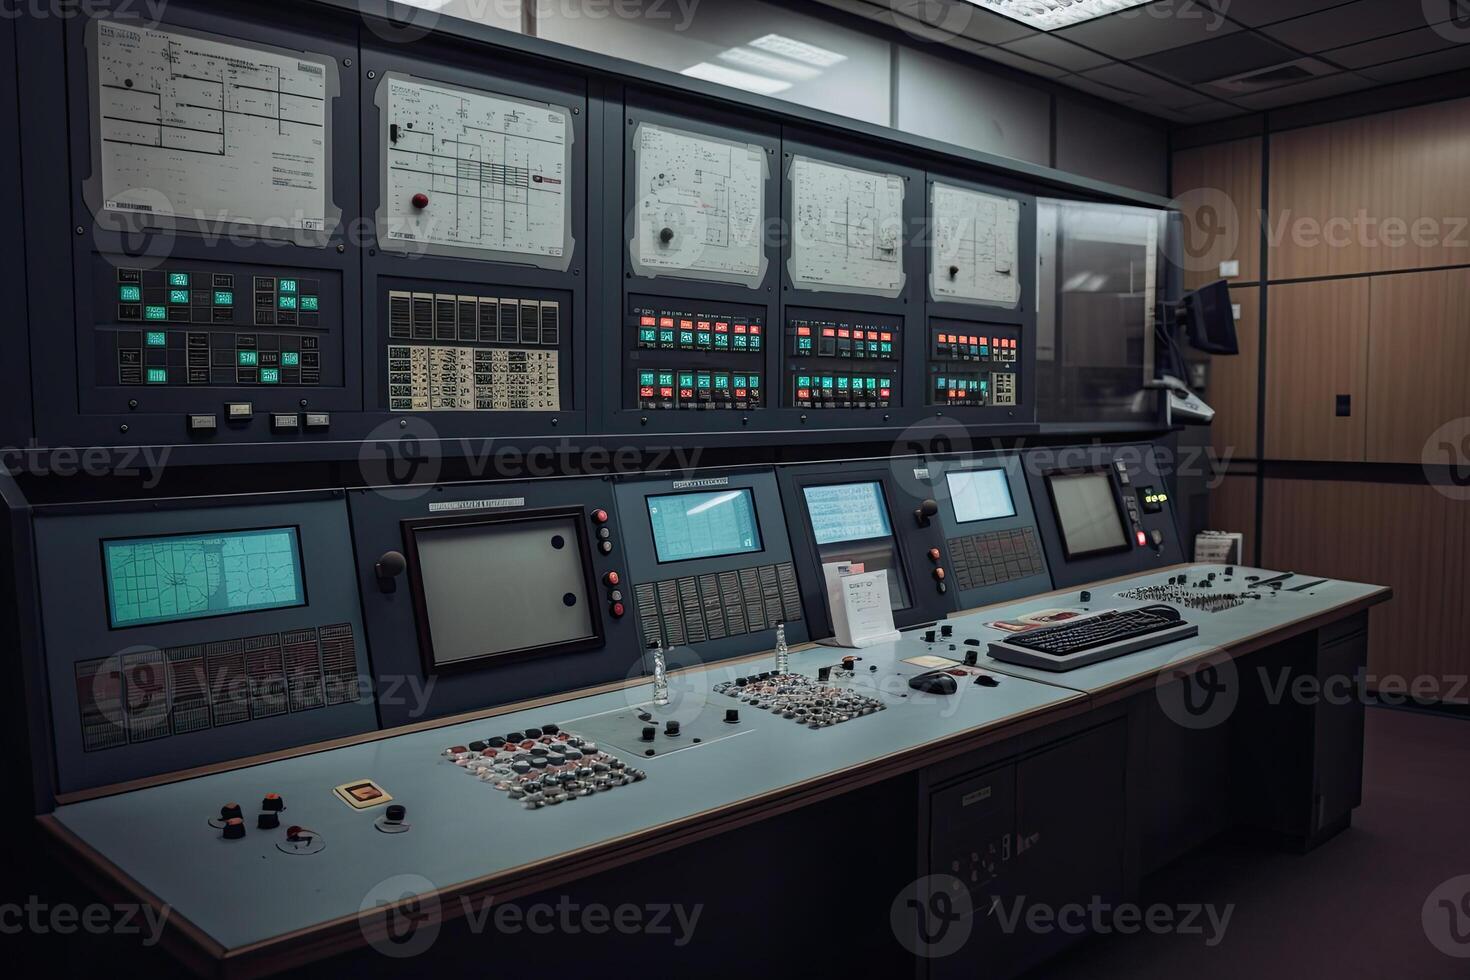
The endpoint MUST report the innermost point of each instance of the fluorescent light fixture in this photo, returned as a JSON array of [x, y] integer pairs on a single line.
[[768, 64], [789, 47], [1048, 15], [721, 75]]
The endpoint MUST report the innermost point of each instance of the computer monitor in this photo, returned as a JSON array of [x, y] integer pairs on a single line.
[[1088, 512], [687, 526], [493, 588], [979, 495], [1209, 319], [850, 523]]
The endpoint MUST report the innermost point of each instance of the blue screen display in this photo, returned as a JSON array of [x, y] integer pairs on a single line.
[[848, 512], [703, 525]]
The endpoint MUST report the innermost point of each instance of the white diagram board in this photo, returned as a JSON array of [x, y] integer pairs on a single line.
[[973, 251], [847, 229], [474, 174], [198, 128], [700, 207]]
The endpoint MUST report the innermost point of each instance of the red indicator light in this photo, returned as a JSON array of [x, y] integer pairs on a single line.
[[1142, 539]]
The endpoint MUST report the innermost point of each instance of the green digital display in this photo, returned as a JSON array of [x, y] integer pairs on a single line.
[[249, 358], [309, 303], [290, 358], [287, 286], [286, 302], [188, 576], [178, 279], [130, 294], [178, 297], [157, 338], [269, 376], [223, 297], [158, 376], [155, 313]]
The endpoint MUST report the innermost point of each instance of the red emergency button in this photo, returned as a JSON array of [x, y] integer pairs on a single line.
[[420, 200], [599, 516], [933, 554], [612, 579], [939, 574], [616, 610]]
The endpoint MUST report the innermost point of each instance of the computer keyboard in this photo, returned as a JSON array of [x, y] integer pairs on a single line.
[[1091, 639]]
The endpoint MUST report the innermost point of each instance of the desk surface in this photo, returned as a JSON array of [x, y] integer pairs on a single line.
[[467, 836]]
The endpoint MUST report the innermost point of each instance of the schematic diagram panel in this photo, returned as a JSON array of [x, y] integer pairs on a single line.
[[474, 173], [191, 127], [700, 207], [973, 250], [847, 228]]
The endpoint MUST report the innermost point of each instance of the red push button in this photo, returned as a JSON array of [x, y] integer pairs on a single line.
[[420, 200], [939, 574], [933, 554], [612, 579], [617, 610], [599, 516]]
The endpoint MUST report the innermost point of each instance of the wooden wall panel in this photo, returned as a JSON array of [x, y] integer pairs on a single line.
[[1408, 536], [1317, 349], [1381, 193], [1233, 508], [1220, 191], [1419, 361], [1234, 383]]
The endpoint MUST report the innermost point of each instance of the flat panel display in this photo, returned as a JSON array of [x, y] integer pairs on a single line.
[[850, 522], [703, 525], [1087, 512], [980, 495], [192, 576]]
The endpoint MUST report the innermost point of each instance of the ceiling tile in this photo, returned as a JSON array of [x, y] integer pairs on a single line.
[[1153, 27], [1452, 59], [1148, 88], [1405, 45], [1352, 23], [1108, 92], [1209, 111], [1254, 13], [1005, 56], [1223, 57], [1055, 51], [1317, 88], [965, 19]]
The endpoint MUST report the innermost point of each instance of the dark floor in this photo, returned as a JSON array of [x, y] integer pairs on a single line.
[[1353, 908]]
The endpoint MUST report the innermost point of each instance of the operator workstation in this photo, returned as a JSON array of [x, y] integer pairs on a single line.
[[736, 488]]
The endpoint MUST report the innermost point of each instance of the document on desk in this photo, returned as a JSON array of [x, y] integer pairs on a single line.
[[861, 613]]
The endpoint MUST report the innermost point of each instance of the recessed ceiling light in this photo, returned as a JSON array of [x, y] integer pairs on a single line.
[[736, 79], [1048, 15], [789, 47]]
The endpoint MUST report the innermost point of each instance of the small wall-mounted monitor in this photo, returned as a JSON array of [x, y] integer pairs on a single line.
[[687, 526], [980, 495], [499, 587], [850, 522], [1209, 319], [1089, 515]]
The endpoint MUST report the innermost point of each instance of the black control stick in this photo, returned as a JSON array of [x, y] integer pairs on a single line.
[[390, 565], [926, 510]]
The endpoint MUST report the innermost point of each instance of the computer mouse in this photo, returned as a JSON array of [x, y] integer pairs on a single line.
[[935, 682]]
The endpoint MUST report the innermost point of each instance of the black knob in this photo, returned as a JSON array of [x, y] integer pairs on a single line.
[[478, 746], [515, 736], [732, 716], [230, 810], [390, 565], [234, 828], [273, 803], [954, 271], [946, 631], [533, 733], [395, 813], [550, 729], [649, 731], [496, 742], [925, 511], [1086, 596], [985, 680], [269, 820], [972, 657], [666, 235], [671, 727], [929, 636], [824, 673], [742, 681], [1229, 569]]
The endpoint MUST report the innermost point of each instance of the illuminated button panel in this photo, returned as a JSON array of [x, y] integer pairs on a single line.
[[193, 296], [973, 365], [827, 390], [672, 388], [658, 327], [841, 360], [844, 339], [166, 357]]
